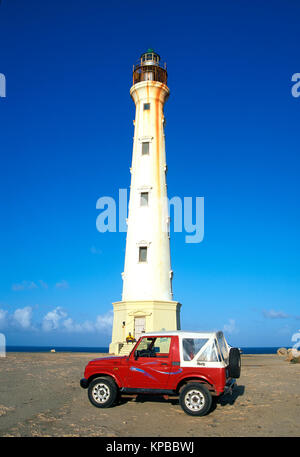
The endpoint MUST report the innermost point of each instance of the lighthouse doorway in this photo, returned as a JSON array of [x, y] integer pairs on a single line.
[[139, 326]]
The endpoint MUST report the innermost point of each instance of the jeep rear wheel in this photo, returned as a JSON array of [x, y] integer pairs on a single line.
[[195, 399], [102, 392]]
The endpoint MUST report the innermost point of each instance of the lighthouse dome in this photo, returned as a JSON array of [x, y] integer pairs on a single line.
[[150, 57]]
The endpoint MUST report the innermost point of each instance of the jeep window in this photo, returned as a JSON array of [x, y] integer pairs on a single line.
[[191, 347], [144, 344], [162, 346], [210, 354], [223, 346], [154, 347]]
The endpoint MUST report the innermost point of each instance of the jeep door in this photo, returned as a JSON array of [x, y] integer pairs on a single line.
[[151, 363]]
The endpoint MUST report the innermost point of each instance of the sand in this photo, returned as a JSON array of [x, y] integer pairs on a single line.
[[40, 396]]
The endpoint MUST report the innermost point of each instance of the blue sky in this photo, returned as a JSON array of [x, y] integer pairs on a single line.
[[232, 137]]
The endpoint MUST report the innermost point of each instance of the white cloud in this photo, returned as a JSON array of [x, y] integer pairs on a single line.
[[3, 315], [52, 319], [62, 284], [43, 284], [24, 285], [29, 285], [105, 321], [230, 327], [71, 326], [68, 324], [271, 314], [56, 319], [22, 317], [59, 320], [102, 323]]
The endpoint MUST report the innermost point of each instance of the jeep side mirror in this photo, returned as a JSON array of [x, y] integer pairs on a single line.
[[136, 355]]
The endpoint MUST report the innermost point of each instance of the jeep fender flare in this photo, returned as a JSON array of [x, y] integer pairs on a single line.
[[195, 378], [104, 374]]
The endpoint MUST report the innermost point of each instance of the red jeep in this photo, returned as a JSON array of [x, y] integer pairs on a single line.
[[194, 366]]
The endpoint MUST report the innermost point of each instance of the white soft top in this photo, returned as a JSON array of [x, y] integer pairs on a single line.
[[184, 334], [208, 353]]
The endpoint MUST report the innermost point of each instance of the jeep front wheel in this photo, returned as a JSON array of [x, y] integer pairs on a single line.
[[102, 392], [195, 399]]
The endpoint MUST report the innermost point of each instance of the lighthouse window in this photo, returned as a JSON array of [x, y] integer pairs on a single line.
[[144, 198], [146, 106], [143, 254], [145, 148]]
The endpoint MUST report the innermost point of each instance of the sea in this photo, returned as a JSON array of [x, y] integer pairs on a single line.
[[104, 350]]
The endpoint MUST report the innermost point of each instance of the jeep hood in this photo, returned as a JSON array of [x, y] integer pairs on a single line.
[[106, 360]]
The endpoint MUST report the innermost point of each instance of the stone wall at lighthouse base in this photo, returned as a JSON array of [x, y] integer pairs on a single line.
[[156, 315]]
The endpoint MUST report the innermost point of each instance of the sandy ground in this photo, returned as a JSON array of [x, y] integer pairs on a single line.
[[40, 396]]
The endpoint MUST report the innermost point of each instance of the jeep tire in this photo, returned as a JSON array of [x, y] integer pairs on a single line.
[[195, 399], [102, 392], [234, 363]]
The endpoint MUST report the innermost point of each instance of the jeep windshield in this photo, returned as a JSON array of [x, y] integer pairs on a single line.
[[151, 347]]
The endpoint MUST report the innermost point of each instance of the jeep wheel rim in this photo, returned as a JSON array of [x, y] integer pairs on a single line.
[[194, 400], [101, 393]]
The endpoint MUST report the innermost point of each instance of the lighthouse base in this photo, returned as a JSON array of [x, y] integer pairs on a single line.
[[138, 317]]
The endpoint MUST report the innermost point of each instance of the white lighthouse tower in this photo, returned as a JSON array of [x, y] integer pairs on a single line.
[[147, 300]]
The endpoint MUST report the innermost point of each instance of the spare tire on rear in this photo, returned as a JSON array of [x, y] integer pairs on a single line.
[[234, 363]]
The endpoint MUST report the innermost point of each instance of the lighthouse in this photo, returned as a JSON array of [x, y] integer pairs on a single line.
[[147, 299]]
